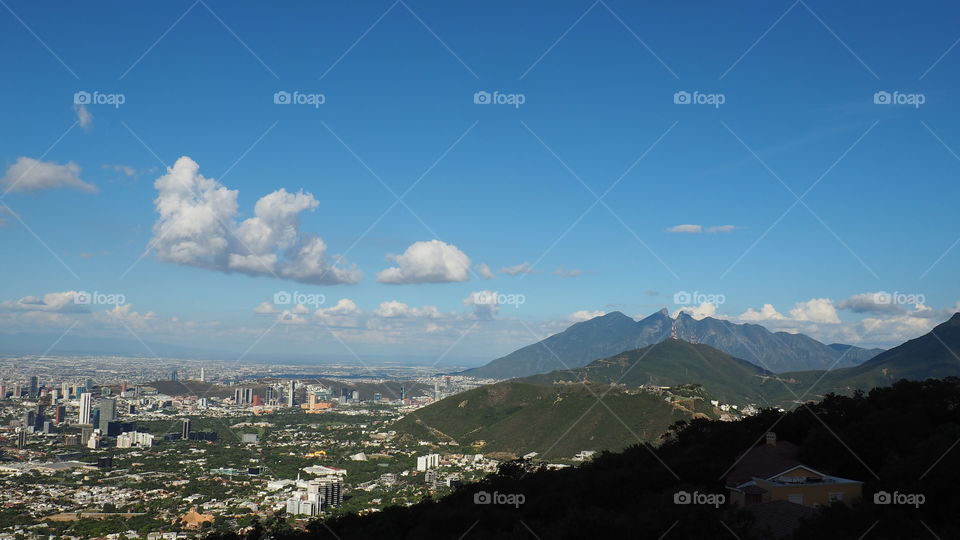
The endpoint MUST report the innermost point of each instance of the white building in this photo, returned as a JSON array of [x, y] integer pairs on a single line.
[[86, 408], [429, 461], [131, 439]]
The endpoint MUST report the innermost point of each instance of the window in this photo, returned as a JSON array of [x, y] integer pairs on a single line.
[[835, 496], [796, 498]]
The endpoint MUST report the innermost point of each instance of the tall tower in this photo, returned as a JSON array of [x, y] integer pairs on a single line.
[[291, 389], [108, 412], [86, 408], [203, 375], [185, 428]]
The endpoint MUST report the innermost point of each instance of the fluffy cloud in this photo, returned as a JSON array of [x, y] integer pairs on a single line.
[[584, 315], [28, 174], [721, 229], [84, 117], [394, 309], [427, 262], [522, 268], [56, 302], [686, 228], [484, 271], [766, 313], [705, 309], [819, 310], [197, 227]]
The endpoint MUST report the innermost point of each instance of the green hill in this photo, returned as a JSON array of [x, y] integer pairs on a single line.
[[932, 355], [674, 362], [555, 421]]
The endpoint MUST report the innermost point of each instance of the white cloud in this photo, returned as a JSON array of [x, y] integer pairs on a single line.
[[197, 227], [343, 308], [427, 262], [84, 117], [484, 271], [766, 313], [28, 174], [686, 228], [584, 315], [691, 228], [522, 268], [705, 309], [57, 302], [820, 310], [395, 309], [265, 308], [125, 170]]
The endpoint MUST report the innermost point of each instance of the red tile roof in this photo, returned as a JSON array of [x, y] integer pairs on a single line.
[[764, 461]]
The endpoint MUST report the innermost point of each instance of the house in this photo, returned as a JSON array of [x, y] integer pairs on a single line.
[[194, 519], [772, 472]]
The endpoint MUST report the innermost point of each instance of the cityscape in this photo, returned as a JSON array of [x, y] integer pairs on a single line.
[[422, 269]]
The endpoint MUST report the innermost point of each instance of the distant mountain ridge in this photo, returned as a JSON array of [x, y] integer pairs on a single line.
[[615, 332]]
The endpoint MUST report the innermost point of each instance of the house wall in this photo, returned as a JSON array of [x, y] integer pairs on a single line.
[[813, 494]]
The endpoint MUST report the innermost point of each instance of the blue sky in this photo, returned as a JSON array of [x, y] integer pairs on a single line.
[[503, 183]]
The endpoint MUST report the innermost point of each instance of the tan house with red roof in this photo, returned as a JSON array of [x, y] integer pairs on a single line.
[[772, 472]]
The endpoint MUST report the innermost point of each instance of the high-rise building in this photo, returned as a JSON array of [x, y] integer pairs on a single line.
[[21, 438], [3, 391], [108, 412], [86, 408], [291, 389], [173, 376], [185, 428], [65, 390], [59, 414], [427, 462], [203, 376], [34, 386]]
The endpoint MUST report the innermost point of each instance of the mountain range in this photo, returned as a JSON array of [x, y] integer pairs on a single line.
[[645, 390], [615, 332]]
